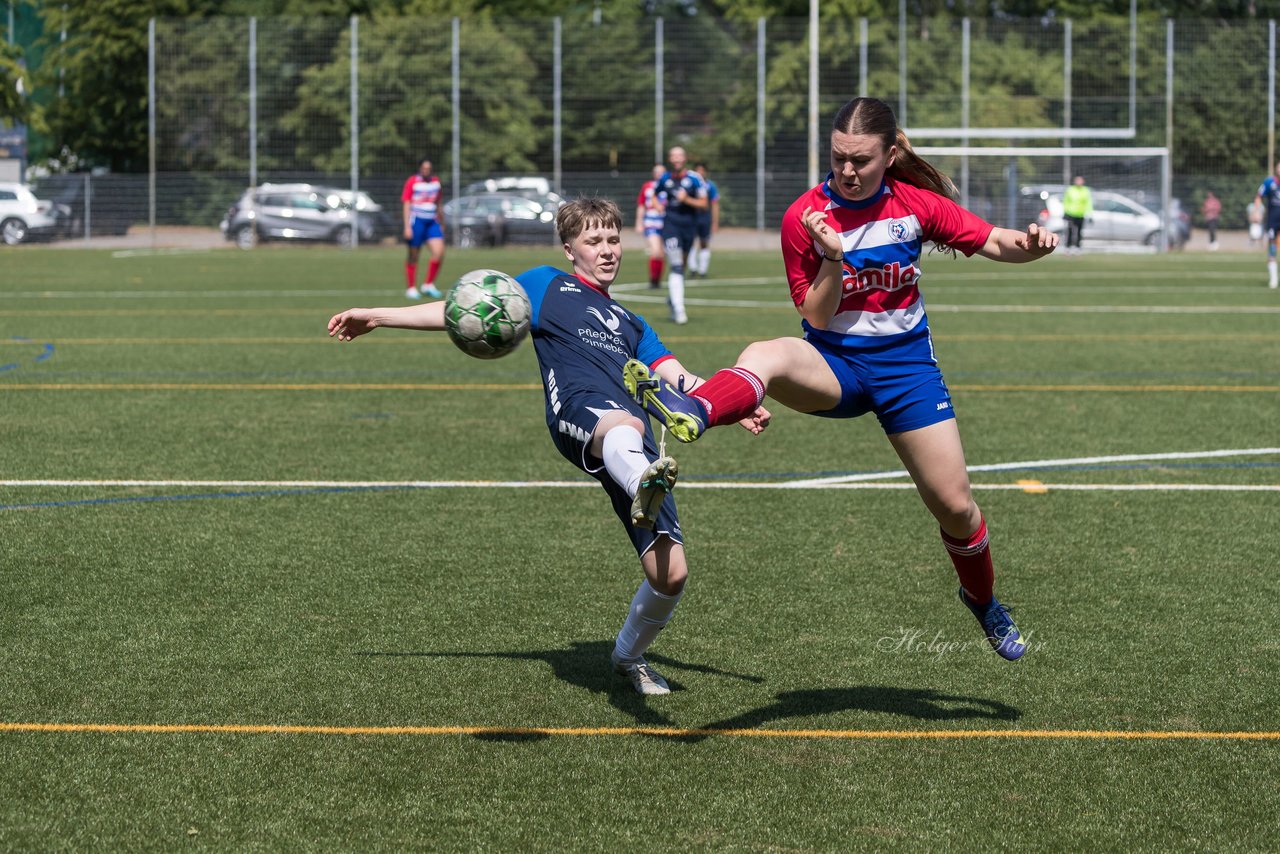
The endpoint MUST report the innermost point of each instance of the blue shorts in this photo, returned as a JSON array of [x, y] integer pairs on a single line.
[[424, 230], [678, 234], [574, 423], [702, 227], [899, 382], [652, 231]]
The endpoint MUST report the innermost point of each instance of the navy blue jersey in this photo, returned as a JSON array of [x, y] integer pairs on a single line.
[[713, 193], [691, 183], [1270, 192], [583, 337]]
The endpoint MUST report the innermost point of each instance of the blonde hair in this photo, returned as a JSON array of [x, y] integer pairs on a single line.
[[586, 213]]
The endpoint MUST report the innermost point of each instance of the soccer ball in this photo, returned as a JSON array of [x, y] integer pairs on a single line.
[[486, 314]]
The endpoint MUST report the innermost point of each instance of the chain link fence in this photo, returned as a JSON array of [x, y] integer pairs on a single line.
[[592, 106]]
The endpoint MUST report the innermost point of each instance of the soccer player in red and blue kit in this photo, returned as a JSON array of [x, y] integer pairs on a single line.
[[852, 248], [650, 214], [583, 338], [423, 223]]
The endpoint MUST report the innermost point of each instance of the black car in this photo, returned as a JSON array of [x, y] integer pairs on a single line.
[[496, 219]]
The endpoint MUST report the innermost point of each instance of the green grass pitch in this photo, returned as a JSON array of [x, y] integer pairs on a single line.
[[185, 565]]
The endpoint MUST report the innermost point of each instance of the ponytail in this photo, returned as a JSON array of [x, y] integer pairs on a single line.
[[910, 168]]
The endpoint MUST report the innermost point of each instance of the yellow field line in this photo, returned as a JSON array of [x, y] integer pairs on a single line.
[[674, 732], [1228, 389], [270, 387]]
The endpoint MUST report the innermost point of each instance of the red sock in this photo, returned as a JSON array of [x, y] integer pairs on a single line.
[[730, 395], [432, 269], [972, 559], [655, 269], [410, 273]]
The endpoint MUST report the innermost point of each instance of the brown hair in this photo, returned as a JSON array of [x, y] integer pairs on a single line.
[[586, 213], [875, 117]]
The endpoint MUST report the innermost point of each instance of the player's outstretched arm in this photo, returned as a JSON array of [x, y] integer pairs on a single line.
[[1005, 244], [355, 322]]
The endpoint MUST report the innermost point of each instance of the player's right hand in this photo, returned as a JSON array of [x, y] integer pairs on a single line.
[[351, 323]]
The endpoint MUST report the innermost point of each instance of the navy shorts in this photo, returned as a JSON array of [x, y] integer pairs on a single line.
[[424, 230], [899, 382], [574, 423], [702, 227], [678, 234]]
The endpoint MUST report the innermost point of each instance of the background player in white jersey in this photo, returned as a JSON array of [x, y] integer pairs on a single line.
[[852, 249], [423, 223], [650, 213], [583, 338], [708, 224], [1269, 199], [684, 195]]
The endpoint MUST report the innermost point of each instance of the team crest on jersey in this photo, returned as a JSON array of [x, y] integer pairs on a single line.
[[898, 230]]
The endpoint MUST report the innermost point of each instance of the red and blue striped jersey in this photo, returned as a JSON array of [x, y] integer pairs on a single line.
[[882, 239]]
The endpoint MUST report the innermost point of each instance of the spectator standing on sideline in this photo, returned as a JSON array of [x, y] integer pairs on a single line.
[[684, 194], [423, 223], [1269, 199], [650, 214], [708, 224], [1077, 206], [1211, 209]]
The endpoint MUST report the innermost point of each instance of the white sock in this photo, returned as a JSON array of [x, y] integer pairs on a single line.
[[650, 611], [675, 291], [1271, 270], [704, 260], [624, 457]]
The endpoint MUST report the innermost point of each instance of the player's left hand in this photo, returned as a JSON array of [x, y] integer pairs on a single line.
[[757, 421], [1037, 241], [351, 323]]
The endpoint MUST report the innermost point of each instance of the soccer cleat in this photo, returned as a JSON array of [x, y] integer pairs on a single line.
[[655, 485], [1001, 632], [431, 291], [679, 318], [412, 293], [679, 413], [643, 677]]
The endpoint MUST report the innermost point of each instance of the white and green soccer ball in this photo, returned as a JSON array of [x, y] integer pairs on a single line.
[[486, 313]]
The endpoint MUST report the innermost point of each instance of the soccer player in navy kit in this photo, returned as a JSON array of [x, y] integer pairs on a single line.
[[423, 223], [583, 338], [1269, 196], [852, 248], [708, 223], [684, 194]]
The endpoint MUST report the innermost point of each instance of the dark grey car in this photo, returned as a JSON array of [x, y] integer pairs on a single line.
[[496, 219]]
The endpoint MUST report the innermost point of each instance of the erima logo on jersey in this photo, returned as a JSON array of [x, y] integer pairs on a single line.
[[890, 277], [612, 322], [570, 287]]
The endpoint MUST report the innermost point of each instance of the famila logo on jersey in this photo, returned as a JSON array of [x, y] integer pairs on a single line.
[[890, 277]]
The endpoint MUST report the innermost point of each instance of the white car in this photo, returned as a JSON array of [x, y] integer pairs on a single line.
[[1115, 217], [23, 216]]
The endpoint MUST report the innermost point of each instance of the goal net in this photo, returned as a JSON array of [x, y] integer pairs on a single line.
[[1015, 185]]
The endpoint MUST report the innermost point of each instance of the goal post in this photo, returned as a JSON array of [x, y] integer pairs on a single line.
[[1007, 185]]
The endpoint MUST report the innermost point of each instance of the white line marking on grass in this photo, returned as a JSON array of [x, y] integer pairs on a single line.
[[1058, 463], [145, 253]]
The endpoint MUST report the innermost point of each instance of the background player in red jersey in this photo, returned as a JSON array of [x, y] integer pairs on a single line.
[[852, 250], [650, 213], [423, 223]]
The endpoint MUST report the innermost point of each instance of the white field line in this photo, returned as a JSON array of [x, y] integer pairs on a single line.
[[1025, 486], [1059, 463]]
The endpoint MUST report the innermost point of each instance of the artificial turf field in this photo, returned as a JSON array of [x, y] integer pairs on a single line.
[[263, 591]]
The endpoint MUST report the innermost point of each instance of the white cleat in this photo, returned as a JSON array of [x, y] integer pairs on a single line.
[[680, 318], [655, 484], [412, 293], [643, 678]]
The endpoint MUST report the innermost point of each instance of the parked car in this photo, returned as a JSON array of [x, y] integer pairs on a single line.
[[1117, 216], [495, 219], [111, 204], [537, 189], [23, 216], [297, 212]]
